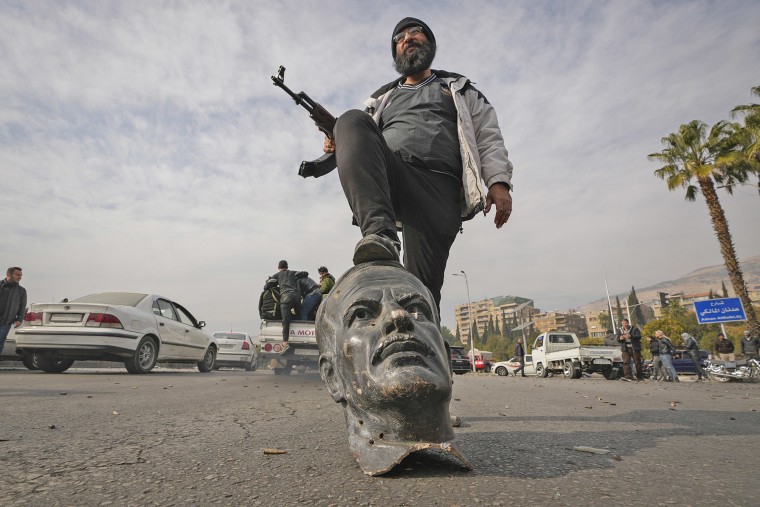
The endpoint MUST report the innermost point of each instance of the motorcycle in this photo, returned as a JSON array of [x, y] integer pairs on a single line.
[[731, 370]]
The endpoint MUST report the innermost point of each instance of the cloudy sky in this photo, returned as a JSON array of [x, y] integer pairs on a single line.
[[144, 148]]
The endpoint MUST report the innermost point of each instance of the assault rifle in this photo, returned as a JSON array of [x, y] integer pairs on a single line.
[[325, 122]]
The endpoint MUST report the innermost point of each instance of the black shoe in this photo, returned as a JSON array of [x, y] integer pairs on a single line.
[[375, 247]]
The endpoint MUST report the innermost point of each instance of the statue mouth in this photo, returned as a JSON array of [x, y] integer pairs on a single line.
[[401, 344]]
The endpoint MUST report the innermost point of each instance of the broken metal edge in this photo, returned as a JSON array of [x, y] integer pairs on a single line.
[[377, 458]]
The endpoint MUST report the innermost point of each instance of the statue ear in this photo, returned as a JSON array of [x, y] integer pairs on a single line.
[[330, 377]]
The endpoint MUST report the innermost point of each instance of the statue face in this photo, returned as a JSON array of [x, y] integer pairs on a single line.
[[389, 347]]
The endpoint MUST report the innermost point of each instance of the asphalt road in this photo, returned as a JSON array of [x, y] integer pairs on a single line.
[[181, 437]]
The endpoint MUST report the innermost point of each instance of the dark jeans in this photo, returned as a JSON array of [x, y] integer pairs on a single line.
[[4, 330], [288, 302], [694, 356], [636, 354], [310, 303], [521, 369], [381, 188]]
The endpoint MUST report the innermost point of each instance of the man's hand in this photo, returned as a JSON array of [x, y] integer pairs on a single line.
[[498, 194], [329, 145], [17, 324]]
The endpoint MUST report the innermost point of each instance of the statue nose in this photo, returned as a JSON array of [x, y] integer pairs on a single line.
[[398, 320]]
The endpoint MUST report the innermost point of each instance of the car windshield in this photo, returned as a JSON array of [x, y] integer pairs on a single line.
[[458, 353], [230, 336], [112, 298]]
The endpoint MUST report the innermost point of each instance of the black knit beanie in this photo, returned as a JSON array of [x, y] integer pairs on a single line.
[[406, 23]]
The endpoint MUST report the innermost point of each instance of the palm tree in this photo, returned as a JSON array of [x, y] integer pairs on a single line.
[[747, 158], [692, 154]]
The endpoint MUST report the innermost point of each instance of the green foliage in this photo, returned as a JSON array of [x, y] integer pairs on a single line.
[[637, 314], [448, 337], [605, 321], [618, 311], [458, 335]]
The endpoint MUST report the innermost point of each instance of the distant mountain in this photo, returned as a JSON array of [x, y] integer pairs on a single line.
[[700, 280]]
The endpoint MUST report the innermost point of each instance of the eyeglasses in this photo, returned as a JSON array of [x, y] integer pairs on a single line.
[[411, 31]]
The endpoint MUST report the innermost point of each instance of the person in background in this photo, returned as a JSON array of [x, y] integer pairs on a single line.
[[630, 345], [750, 345], [269, 301], [520, 354], [692, 349], [658, 373], [312, 296], [290, 296], [12, 303], [724, 348], [326, 280], [666, 355], [611, 339]]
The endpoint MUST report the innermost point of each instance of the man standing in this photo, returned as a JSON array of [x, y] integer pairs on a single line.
[[326, 280], [692, 348], [724, 348], [520, 353], [12, 303], [290, 296], [418, 157], [630, 344], [666, 355], [750, 346]]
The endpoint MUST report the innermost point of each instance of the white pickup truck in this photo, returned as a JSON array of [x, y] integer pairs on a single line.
[[558, 351], [302, 352]]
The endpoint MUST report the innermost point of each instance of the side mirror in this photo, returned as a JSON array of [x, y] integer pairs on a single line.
[[201, 323]]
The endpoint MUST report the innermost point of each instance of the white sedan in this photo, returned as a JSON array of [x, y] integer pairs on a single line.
[[236, 350], [136, 329], [504, 368]]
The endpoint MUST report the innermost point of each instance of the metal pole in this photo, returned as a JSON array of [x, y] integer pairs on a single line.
[[609, 302], [469, 318], [628, 309]]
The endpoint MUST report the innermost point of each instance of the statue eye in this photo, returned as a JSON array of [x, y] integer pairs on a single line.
[[361, 314], [418, 311]]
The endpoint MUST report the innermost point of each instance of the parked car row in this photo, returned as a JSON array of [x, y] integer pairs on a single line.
[[136, 329]]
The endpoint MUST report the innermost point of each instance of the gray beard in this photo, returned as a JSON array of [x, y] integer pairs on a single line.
[[418, 61]]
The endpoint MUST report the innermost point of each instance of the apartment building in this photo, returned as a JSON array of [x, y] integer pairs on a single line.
[[561, 321], [501, 309]]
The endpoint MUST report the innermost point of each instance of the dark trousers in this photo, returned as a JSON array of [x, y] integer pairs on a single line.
[[288, 302], [381, 188], [636, 354], [521, 369], [694, 356]]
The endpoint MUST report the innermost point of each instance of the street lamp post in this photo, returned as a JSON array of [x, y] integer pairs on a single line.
[[469, 318]]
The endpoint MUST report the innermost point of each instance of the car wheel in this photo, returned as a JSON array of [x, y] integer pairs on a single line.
[[569, 370], [50, 362], [144, 358], [207, 363], [502, 371], [541, 371], [29, 360]]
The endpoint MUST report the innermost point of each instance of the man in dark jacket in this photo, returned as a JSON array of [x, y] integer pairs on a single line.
[[520, 354], [312, 296], [630, 344], [290, 296], [12, 303], [654, 348], [750, 346], [724, 348], [692, 349]]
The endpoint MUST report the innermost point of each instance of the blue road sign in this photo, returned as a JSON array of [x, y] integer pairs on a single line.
[[719, 310]]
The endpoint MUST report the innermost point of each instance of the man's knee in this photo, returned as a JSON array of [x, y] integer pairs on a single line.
[[351, 120]]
